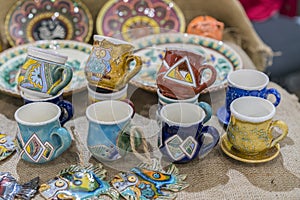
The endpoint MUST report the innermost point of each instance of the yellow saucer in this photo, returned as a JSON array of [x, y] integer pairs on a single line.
[[265, 156]]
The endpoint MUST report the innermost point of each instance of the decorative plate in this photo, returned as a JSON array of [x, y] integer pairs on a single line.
[[12, 59], [132, 19], [29, 21], [152, 48]]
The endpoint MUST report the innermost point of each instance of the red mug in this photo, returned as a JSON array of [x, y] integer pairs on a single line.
[[181, 74]]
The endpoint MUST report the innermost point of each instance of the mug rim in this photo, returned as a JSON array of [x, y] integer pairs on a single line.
[[114, 95], [111, 39], [195, 98], [170, 48], [92, 106], [246, 118], [182, 124], [42, 104], [237, 85], [40, 99], [46, 54]]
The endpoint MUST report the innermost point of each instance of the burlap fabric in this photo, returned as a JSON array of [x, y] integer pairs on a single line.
[[238, 28], [215, 176]]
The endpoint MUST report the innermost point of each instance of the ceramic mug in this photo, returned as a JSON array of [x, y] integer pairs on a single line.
[[109, 65], [65, 106], [97, 94], [182, 132], [108, 120], [41, 138], [44, 73], [246, 82], [181, 74], [163, 100], [251, 124]]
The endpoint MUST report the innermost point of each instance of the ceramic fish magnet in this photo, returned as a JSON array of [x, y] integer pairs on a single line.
[[7, 146], [147, 182], [10, 189], [78, 183]]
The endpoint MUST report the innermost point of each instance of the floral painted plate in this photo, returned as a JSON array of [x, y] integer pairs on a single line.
[[11, 61], [152, 48], [118, 18], [29, 21]]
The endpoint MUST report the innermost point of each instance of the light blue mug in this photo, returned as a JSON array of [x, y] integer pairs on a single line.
[[41, 137], [107, 120]]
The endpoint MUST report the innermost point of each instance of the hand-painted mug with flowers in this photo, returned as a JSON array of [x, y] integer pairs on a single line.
[[44, 73]]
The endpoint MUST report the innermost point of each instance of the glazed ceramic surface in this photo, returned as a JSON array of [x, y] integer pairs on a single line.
[[261, 157], [44, 73], [7, 146], [107, 120], [246, 82], [77, 182], [111, 63], [66, 106], [181, 73], [133, 19], [152, 49], [148, 181], [182, 132], [41, 138], [12, 60], [29, 21], [95, 95], [250, 129]]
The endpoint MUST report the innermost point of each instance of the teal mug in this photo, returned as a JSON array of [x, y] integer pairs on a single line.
[[41, 138]]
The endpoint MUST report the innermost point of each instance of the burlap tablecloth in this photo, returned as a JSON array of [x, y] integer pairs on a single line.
[[215, 176]]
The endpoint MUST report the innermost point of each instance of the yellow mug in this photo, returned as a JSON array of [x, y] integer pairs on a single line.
[[111, 63], [251, 125]]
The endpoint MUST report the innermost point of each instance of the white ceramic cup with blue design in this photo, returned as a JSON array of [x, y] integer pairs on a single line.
[[41, 137], [107, 119]]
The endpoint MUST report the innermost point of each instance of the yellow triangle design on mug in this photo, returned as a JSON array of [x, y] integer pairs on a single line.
[[181, 76]]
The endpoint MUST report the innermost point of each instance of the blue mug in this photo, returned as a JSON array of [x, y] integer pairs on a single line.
[[246, 82], [65, 106], [107, 120], [182, 132], [41, 138]]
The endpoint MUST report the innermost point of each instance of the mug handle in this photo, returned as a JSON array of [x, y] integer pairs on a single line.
[[65, 140], [281, 125], [215, 135], [208, 82], [66, 78], [207, 109], [135, 70], [67, 111], [131, 104], [274, 92]]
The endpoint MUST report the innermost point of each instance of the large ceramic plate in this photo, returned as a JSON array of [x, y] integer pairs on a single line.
[[29, 21], [11, 61], [118, 18], [152, 48]]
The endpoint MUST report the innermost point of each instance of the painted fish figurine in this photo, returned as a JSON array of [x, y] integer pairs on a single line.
[[78, 183], [147, 182], [7, 146], [10, 189]]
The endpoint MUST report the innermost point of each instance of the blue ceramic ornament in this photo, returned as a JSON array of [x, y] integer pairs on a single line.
[[147, 182], [7, 146], [78, 183], [10, 189]]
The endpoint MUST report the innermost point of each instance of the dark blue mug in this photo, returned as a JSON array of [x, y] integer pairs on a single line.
[[246, 82], [67, 109], [182, 132]]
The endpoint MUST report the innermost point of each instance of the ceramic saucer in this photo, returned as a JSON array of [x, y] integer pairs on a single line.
[[223, 115], [7, 146], [266, 156]]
